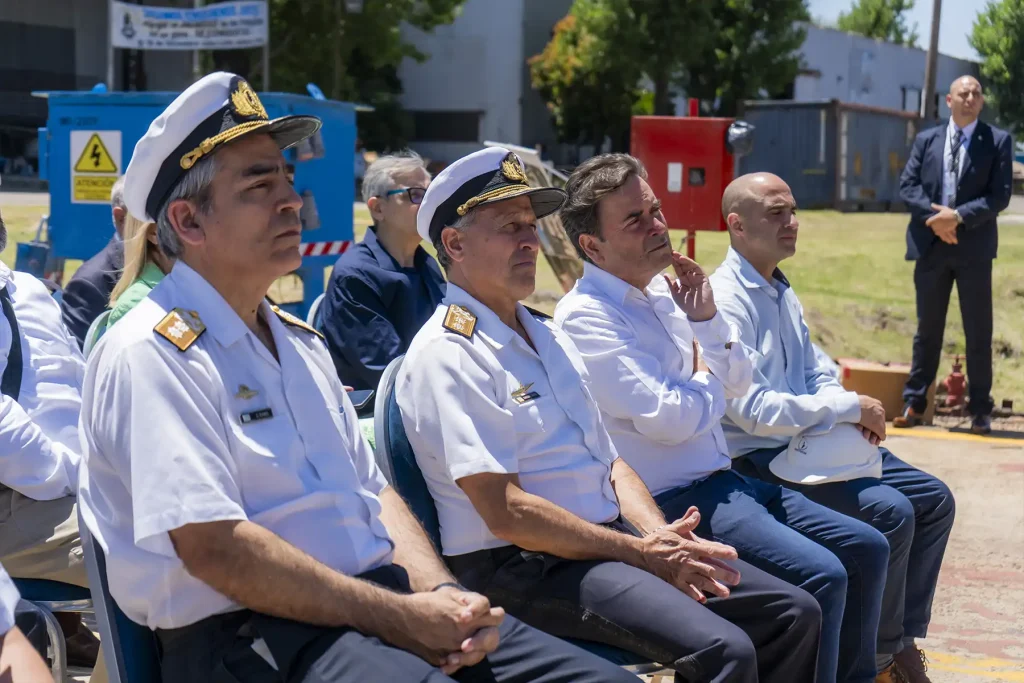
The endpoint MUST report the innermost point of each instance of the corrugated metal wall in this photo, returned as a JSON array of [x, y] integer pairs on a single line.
[[834, 155], [795, 141]]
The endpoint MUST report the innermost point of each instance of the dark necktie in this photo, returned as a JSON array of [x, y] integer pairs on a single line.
[[10, 384], [954, 152]]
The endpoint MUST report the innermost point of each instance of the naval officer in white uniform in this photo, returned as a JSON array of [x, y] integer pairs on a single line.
[[536, 509], [241, 513]]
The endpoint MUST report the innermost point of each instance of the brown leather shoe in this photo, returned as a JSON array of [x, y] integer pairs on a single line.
[[909, 418], [892, 674], [914, 664]]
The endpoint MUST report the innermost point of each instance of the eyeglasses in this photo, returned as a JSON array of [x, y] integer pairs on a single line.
[[415, 193]]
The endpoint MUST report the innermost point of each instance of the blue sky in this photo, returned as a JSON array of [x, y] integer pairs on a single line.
[[957, 20]]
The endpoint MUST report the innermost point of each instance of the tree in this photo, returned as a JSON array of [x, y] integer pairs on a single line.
[[882, 19], [723, 51], [998, 36], [754, 53], [590, 89], [352, 56]]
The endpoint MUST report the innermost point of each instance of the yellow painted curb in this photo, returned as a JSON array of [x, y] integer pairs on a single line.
[[1011, 671], [943, 435]]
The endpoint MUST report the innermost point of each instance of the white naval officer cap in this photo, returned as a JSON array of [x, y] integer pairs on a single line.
[[485, 177], [214, 110]]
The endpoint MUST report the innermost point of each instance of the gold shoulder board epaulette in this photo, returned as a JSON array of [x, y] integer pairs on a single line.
[[181, 328], [460, 321], [289, 319], [538, 314]]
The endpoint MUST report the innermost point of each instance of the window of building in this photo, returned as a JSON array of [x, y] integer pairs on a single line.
[[911, 99], [446, 126]]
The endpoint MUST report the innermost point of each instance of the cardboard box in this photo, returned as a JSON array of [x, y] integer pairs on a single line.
[[884, 382]]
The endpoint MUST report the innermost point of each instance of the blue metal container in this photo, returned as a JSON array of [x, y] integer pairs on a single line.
[[833, 155], [88, 142]]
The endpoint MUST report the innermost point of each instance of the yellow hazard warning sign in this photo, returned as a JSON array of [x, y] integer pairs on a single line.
[[95, 158], [95, 162], [92, 188]]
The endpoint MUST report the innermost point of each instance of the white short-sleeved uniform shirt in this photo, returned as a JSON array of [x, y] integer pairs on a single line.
[[9, 598], [489, 403], [220, 431]]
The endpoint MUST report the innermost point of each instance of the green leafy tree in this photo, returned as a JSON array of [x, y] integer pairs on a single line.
[[754, 53], [882, 19], [594, 71], [590, 89], [998, 36]]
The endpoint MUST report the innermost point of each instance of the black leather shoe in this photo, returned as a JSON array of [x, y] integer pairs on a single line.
[[981, 424]]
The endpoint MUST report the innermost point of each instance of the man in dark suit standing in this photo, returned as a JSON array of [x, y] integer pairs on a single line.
[[88, 293], [959, 177]]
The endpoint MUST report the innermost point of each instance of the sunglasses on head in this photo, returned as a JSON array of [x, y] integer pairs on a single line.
[[415, 193]]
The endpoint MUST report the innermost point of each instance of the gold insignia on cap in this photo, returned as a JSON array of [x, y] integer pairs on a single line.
[[245, 101], [181, 328], [512, 169], [460, 321], [289, 319]]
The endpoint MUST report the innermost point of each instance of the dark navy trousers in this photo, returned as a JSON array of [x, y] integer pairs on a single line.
[[913, 509], [220, 649], [766, 631], [837, 559]]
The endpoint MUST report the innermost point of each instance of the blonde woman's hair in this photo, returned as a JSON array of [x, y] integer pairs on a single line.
[[136, 254]]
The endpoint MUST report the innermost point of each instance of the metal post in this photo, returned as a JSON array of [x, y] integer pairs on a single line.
[[266, 55], [196, 66], [929, 107], [110, 45]]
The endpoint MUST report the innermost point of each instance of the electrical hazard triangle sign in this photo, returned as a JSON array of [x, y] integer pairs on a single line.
[[95, 158]]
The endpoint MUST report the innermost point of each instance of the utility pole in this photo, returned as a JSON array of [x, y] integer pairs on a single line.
[[929, 104], [197, 69], [110, 45]]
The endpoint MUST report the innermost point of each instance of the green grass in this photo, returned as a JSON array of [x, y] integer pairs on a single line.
[[849, 272]]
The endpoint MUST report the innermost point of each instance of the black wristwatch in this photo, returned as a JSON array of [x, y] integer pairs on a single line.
[[448, 584]]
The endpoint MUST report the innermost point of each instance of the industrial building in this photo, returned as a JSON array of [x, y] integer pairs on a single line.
[[62, 45], [475, 84]]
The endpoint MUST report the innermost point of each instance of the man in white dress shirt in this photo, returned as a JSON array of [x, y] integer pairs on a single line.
[[242, 514], [792, 395], [536, 509], [42, 371], [637, 331]]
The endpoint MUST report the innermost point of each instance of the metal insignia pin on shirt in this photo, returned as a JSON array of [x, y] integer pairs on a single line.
[[245, 393]]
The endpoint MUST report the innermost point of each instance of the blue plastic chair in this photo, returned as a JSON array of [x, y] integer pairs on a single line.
[[395, 458], [53, 597], [130, 649]]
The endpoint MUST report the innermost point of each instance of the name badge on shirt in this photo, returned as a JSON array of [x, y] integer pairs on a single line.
[[524, 395], [256, 415]]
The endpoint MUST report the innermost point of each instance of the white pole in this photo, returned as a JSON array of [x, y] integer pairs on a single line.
[[266, 54], [110, 45], [196, 68]]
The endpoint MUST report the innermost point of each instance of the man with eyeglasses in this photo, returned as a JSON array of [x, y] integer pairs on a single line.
[[383, 289]]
